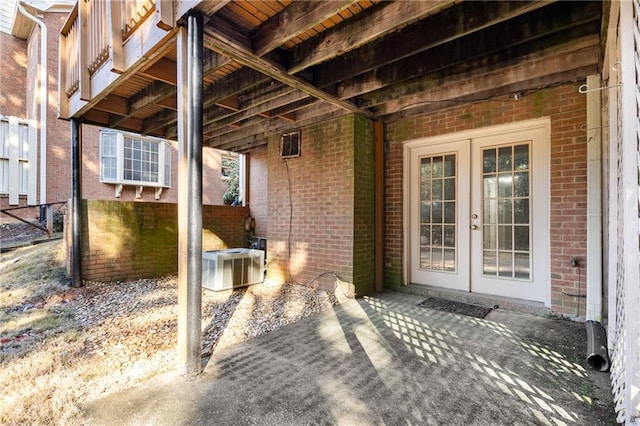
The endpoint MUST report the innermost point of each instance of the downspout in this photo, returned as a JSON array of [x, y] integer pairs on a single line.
[[44, 101], [597, 354]]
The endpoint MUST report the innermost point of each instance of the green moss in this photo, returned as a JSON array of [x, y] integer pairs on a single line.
[[540, 102], [392, 276], [401, 131]]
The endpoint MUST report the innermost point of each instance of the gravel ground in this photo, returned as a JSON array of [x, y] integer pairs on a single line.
[[106, 337], [132, 326]]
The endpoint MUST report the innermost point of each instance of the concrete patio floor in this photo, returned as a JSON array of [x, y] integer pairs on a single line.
[[384, 360]]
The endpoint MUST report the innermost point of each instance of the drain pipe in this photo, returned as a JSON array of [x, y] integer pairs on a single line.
[[597, 354], [44, 101]]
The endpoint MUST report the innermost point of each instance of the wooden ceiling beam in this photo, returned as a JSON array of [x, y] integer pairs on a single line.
[[206, 7], [158, 121], [289, 112], [230, 103], [500, 94], [228, 46], [170, 102], [243, 83], [454, 58], [164, 70], [451, 23], [493, 83], [97, 117], [151, 94], [233, 84], [213, 62], [246, 136], [294, 20], [131, 124], [248, 100], [114, 104], [264, 108], [361, 29], [213, 130]]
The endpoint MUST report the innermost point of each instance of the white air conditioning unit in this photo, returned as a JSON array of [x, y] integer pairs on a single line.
[[232, 268]]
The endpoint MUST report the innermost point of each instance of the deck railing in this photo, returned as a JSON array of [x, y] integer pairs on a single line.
[[69, 58], [134, 12], [98, 48], [93, 43]]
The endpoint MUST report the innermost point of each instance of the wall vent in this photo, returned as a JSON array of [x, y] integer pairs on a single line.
[[290, 144]]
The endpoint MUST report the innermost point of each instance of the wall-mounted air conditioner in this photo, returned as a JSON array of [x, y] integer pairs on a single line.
[[232, 268]]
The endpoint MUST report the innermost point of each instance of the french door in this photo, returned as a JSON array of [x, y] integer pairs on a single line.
[[478, 211]]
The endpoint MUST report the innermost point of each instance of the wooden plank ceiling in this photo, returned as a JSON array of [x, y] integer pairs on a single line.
[[274, 66]]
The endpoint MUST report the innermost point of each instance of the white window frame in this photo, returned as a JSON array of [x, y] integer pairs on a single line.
[[18, 153], [164, 163]]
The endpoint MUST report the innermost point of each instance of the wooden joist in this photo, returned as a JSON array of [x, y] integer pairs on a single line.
[[450, 24], [388, 17], [292, 21], [221, 42]]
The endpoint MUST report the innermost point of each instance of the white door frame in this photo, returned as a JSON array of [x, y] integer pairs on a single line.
[[539, 124]]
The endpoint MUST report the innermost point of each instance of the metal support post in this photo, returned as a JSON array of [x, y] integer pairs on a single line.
[[190, 106], [76, 195]]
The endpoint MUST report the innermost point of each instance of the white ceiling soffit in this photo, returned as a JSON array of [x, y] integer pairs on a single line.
[[21, 26]]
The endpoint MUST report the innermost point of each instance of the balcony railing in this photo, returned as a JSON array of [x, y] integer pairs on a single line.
[[69, 64], [135, 12], [96, 33]]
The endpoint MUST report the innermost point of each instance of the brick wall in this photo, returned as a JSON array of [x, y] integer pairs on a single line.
[[13, 76], [313, 204], [126, 240], [258, 183], [567, 110], [58, 139]]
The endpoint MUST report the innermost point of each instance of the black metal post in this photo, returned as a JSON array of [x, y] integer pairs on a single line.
[[190, 197], [76, 195]]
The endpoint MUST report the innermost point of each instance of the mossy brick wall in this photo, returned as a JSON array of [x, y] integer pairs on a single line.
[[131, 240], [567, 111], [364, 206], [321, 206]]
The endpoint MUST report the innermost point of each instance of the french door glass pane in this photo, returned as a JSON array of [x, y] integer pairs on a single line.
[[438, 207], [506, 216]]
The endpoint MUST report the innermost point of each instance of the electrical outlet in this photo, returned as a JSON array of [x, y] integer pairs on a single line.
[[574, 261]]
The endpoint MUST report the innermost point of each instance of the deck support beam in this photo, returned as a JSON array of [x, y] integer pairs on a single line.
[[378, 135], [76, 196], [190, 107]]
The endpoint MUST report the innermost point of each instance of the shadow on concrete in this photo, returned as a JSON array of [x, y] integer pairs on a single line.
[[383, 360]]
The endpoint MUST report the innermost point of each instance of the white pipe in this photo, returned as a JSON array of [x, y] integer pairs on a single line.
[[594, 203], [44, 101]]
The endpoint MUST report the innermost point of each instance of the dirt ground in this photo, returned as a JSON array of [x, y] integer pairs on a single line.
[[18, 234]]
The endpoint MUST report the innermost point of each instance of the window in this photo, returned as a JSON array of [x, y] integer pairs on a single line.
[[129, 159], [18, 157]]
